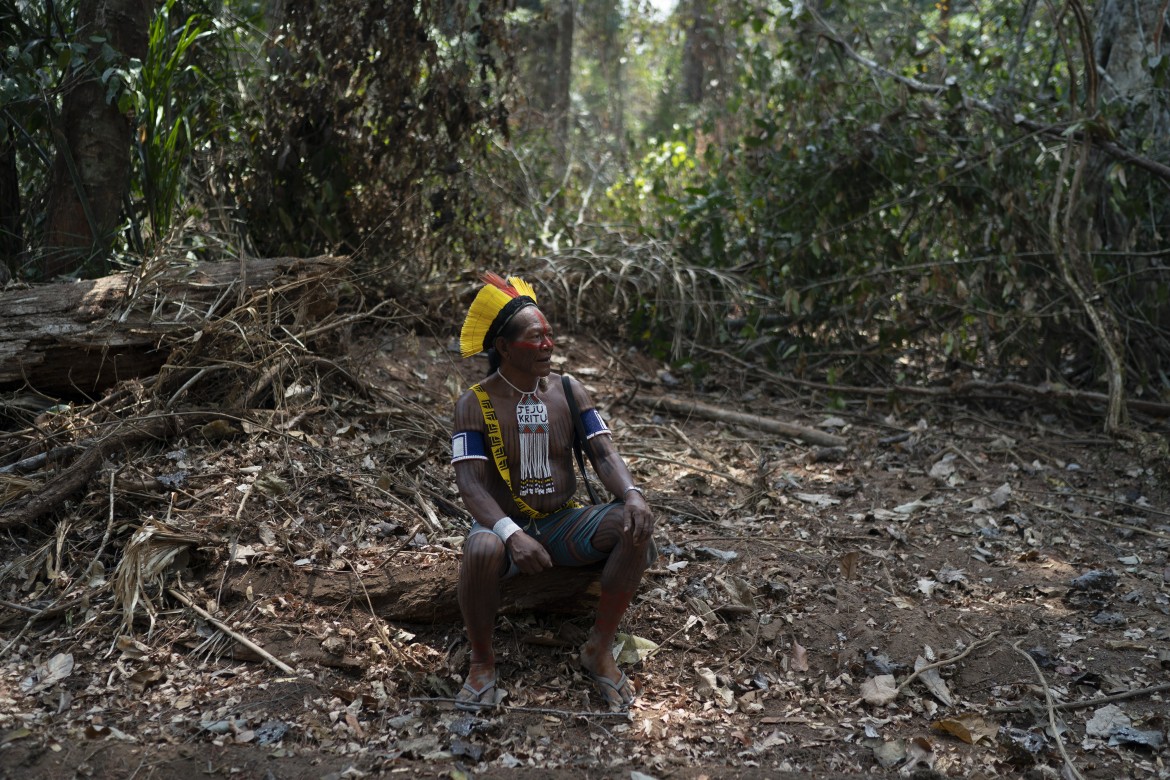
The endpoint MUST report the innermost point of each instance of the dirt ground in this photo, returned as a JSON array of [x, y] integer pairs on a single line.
[[1006, 550]]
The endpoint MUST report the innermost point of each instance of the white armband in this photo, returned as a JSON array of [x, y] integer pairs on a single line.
[[504, 528]]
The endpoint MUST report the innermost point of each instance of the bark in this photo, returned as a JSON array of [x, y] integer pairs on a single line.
[[11, 240], [702, 56], [78, 338], [91, 173], [564, 68], [412, 595], [610, 59]]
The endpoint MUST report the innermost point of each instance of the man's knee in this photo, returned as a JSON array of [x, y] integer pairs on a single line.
[[483, 553]]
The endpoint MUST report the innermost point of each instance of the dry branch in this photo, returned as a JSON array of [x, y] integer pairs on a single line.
[[697, 409], [243, 640], [77, 338], [72, 479]]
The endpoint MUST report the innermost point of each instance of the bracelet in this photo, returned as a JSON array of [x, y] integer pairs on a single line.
[[635, 488], [504, 528]]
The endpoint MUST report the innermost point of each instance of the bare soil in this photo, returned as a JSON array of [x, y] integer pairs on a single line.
[[1010, 549]]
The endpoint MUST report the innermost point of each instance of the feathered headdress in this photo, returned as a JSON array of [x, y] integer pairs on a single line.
[[493, 307]]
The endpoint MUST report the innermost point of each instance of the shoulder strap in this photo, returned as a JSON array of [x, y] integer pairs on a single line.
[[499, 455], [580, 442]]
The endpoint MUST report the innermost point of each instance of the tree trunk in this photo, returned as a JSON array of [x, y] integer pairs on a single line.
[[701, 53], [79, 338], [11, 241], [412, 595], [610, 59], [1127, 44], [91, 173], [564, 69]]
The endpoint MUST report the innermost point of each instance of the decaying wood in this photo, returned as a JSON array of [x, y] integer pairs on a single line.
[[72, 478], [77, 338], [697, 409], [414, 595]]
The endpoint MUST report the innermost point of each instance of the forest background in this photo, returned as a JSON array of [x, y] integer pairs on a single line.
[[236, 242], [857, 193]]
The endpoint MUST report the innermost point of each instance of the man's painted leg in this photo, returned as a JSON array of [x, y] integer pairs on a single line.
[[479, 600], [620, 578]]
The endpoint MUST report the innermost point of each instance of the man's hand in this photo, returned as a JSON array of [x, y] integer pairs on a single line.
[[638, 519], [528, 554]]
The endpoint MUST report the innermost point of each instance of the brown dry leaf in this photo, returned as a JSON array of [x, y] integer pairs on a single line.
[[880, 690], [144, 678], [933, 682], [849, 564], [969, 727], [131, 648], [49, 673], [799, 661]]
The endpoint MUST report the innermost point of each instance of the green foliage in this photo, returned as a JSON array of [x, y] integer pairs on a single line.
[[877, 220], [368, 151], [169, 93]]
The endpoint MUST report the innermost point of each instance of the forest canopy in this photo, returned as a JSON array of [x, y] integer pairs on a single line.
[[856, 193]]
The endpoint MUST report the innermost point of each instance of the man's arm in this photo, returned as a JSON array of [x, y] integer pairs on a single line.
[[472, 475], [614, 474]]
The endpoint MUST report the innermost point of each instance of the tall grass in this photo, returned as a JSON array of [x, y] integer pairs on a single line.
[[167, 131]]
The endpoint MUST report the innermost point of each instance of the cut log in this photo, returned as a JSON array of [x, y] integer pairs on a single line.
[[75, 339], [755, 422], [409, 594]]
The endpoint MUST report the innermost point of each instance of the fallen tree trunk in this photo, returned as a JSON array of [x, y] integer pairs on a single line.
[[75, 339], [415, 595], [755, 422], [72, 479]]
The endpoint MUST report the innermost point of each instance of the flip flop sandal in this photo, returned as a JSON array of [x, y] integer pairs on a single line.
[[478, 704], [604, 683]]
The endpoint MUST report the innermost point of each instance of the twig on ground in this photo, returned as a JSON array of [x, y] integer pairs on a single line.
[[698, 452], [679, 463], [1071, 706], [948, 661], [405, 542], [243, 640], [966, 457], [1100, 520], [1051, 713], [1103, 499], [369, 602], [942, 662]]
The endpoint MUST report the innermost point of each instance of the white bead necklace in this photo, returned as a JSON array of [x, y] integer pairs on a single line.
[[517, 389]]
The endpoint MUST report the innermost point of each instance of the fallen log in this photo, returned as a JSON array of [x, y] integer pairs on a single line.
[[755, 422], [409, 594], [74, 339], [72, 479]]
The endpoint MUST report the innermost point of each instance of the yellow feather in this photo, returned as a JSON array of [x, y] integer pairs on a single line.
[[487, 304]]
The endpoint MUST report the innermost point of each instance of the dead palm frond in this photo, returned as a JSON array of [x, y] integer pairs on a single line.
[[13, 487], [153, 552]]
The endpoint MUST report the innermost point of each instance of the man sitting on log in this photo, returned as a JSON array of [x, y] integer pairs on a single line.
[[514, 469]]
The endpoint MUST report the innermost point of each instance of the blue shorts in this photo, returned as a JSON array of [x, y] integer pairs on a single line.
[[566, 534]]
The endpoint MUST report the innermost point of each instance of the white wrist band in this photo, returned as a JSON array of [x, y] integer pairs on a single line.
[[635, 488], [504, 528]]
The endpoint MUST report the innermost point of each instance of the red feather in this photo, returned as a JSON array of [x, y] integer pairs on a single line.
[[494, 279]]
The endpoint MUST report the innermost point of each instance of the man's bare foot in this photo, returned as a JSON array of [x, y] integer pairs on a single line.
[[597, 661], [479, 689]]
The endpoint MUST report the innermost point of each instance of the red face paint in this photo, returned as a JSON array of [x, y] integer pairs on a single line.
[[544, 339]]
